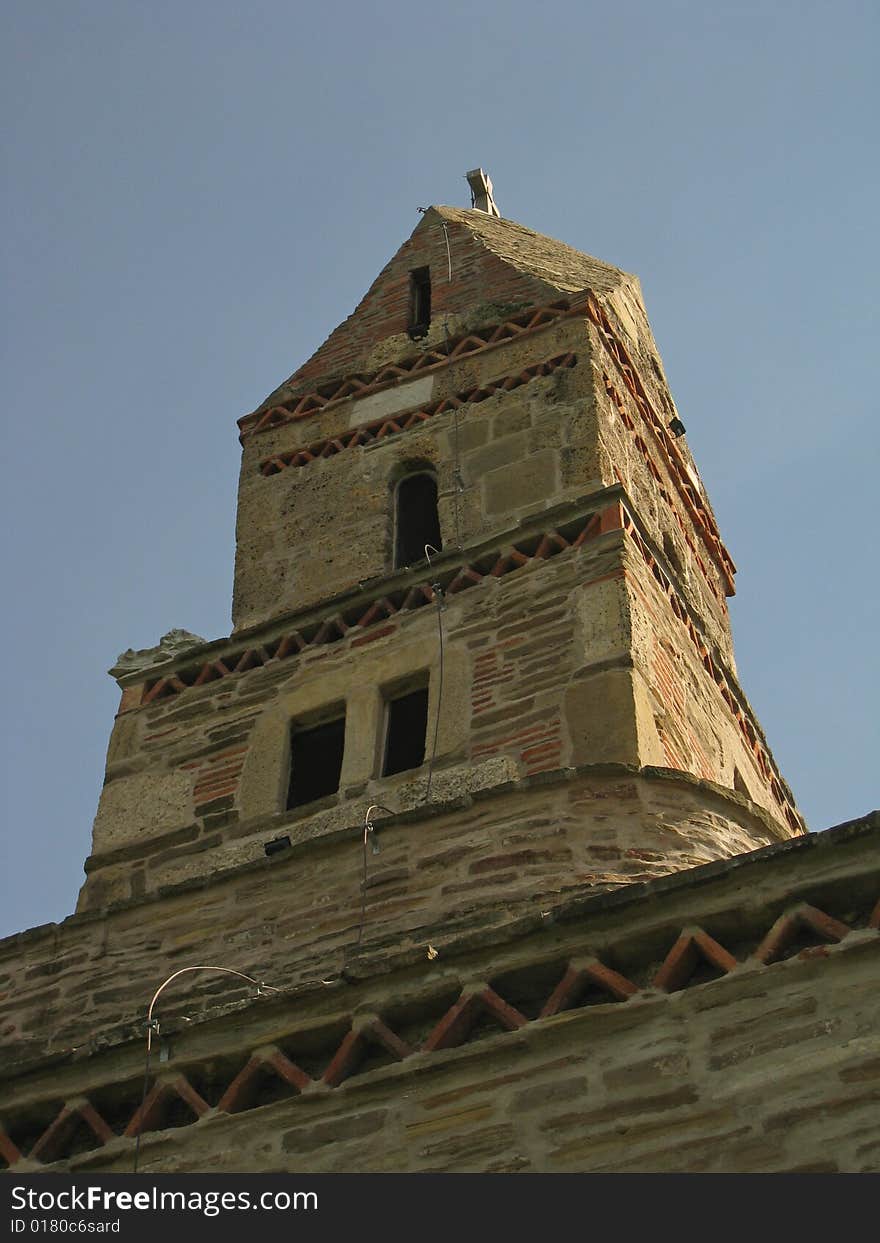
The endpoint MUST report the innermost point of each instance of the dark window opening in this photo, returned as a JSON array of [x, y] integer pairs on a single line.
[[315, 761], [416, 520], [406, 726], [419, 302]]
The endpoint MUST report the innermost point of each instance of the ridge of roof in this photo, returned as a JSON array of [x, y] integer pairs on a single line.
[[549, 268], [536, 254]]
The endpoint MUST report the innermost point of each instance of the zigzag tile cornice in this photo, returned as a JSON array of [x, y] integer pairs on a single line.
[[357, 617], [720, 674], [573, 984], [834, 869], [658, 479], [382, 429], [493, 337], [703, 520], [357, 620], [477, 341], [367, 616]]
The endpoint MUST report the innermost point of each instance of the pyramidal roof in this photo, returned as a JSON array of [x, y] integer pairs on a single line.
[[493, 263], [559, 266]]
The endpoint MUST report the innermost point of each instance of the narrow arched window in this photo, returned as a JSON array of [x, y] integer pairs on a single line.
[[416, 520]]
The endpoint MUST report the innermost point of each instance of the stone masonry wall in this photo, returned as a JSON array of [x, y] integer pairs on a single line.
[[631, 456], [188, 774], [311, 531], [538, 675], [689, 719], [724, 1019], [503, 455], [296, 915]]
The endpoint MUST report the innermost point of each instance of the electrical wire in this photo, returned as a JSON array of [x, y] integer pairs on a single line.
[[438, 596], [456, 453], [153, 1025], [368, 831], [456, 511], [137, 1142], [448, 251]]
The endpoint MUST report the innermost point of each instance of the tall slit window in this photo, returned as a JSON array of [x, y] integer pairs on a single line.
[[315, 761], [419, 302], [416, 519], [406, 727]]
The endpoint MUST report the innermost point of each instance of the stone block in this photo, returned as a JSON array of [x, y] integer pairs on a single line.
[[500, 452], [141, 806], [522, 485], [600, 718]]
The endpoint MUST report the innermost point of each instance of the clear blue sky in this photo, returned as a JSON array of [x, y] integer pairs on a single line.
[[196, 193]]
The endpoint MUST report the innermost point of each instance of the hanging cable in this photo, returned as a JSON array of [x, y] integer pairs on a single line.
[[153, 1026], [458, 487], [137, 1142], [457, 481], [438, 596], [448, 252], [369, 831]]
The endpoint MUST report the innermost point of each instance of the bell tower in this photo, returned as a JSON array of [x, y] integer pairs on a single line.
[[403, 874], [479, 606]]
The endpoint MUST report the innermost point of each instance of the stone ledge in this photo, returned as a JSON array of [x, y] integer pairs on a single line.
[[361, 1024], [279, 821], [448, 559], [471, 934]]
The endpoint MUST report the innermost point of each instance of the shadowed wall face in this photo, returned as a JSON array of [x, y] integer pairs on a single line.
[[674, 1026]]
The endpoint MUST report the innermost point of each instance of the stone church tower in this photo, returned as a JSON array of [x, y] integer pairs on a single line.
[[480, 689], [496, 399]]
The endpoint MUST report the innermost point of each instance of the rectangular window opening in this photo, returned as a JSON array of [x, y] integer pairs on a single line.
[[419, 302], [406, 728], [315, 760]]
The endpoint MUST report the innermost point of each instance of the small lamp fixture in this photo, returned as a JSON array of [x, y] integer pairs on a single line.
[[276, 845], [676, 427]]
